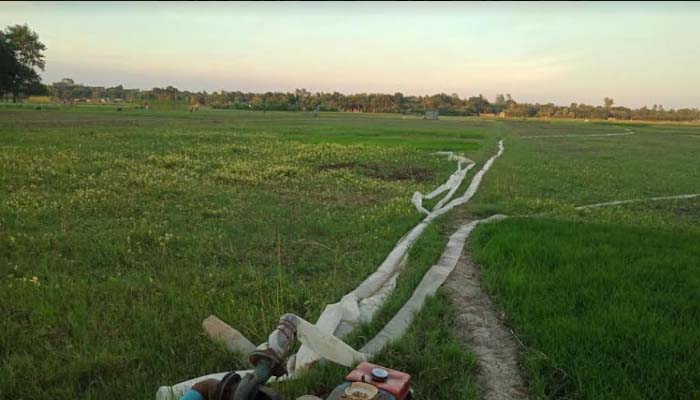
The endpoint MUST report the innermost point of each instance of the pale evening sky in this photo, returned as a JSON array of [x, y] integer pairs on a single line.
[[637, 53]]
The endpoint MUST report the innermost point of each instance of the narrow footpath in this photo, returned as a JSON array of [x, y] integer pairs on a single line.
[[481, 328]]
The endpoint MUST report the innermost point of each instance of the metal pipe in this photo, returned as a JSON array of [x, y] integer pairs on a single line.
[[270, 360], [248, 388]]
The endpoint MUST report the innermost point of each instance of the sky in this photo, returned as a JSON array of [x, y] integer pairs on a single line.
[[637, 53]]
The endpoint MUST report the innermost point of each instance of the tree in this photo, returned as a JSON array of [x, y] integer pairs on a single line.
[[301, 95], [20, 53], [609, 102], [97, 93], [398, 101], [116, 92], [63, 90], [8, 66], [28, 49], [479, 104], [500, 104]]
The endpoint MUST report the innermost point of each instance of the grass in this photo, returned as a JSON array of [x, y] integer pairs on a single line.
[[607, 311], [558, 174], [441, 366], [120, 231], [605, 300]]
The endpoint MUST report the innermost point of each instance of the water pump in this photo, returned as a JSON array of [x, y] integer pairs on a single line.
[[373, 382], [366, 382]]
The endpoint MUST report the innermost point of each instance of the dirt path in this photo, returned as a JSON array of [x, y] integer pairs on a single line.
[[479, 326]]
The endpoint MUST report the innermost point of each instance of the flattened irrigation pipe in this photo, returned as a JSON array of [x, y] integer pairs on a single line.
[[619, 202], [628, 132], [375, 288], [348, 310], [328, 346]]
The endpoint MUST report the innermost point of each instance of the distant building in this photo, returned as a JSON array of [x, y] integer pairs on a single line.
[[431, 114]]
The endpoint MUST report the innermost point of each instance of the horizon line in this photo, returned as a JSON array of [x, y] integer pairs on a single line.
[[465, 97]]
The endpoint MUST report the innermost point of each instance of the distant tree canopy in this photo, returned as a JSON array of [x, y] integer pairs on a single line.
[[302, 100], [21, 53]]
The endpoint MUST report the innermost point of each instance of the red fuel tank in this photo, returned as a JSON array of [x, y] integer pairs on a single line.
[[396, 383]]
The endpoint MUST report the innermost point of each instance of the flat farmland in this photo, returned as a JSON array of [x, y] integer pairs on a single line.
[[120, 231]]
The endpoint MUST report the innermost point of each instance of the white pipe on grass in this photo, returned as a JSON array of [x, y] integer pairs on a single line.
[[330, 347], [619, 202], [627, 132], [381, 282], [347, 309]]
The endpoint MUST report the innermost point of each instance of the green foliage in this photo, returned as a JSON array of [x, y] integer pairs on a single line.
[[441, 367], [302, 100], [606, 311], [28, 49], [121, 231], [20, 52], [606, 299], [555, 175]]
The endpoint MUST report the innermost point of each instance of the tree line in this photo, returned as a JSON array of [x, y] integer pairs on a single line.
[[21, 55], [302, 100]]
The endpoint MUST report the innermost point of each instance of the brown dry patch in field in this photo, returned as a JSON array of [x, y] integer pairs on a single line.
[[384, 172]]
